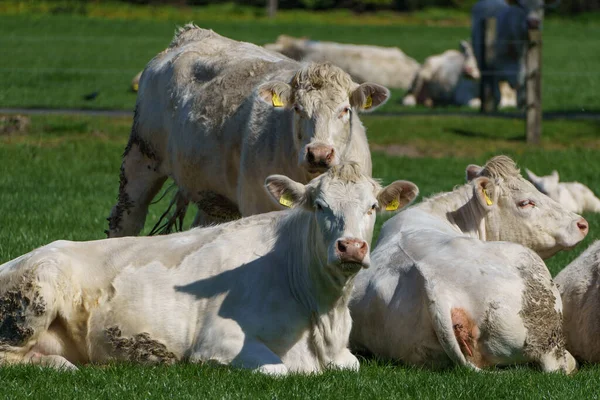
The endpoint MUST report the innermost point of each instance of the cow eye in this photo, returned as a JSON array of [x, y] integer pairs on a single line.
[[319, 206], [526, 203], [297, 109], [346, 111], [373, 208]]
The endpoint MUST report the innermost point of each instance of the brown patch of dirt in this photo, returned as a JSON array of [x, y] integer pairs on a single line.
[[14, 125], [398, 150]]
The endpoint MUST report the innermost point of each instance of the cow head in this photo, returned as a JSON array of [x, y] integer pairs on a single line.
[[545, 184], [343, 203], [470, 68], [515, 211], [324, 100]]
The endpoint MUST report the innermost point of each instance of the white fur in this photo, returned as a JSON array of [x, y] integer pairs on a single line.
[[388, 66], [573, 196], [446, 253]]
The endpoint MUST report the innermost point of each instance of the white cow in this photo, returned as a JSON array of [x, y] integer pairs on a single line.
[[388, 66], [447, 286], [442, 79], [267, 292], [579, 288], [513, 20], [219, 116], [573, 196]]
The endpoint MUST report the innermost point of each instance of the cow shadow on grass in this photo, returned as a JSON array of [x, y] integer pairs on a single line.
[[258, 297], [520, 137]]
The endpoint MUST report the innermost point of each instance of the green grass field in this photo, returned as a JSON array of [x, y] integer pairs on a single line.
[[60, 180], [59, 56]]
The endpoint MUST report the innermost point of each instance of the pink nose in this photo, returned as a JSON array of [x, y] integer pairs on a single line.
[[351, 250], [319, 156], [583, 226], [533, 23]]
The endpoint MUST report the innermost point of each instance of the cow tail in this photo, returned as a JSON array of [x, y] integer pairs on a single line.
[[170, 222]]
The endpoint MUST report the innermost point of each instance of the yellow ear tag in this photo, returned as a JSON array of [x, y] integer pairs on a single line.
[[286, 200], [368, 102], [276, 100], [393, 206], [136, 86], [488, 201]]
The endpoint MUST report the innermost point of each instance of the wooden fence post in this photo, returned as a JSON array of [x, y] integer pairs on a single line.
[[486, 89], [534, 86], [272, 8]]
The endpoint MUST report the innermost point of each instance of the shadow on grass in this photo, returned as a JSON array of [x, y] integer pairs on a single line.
[[473, 134]]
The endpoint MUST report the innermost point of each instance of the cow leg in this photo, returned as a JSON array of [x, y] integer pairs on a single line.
[[346, 360], [51, 361], [558, 360], [255, 355], [141, 179]]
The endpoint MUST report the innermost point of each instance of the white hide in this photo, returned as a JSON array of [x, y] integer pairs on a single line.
[[388, 66], [446, 287], [265, 292], [579, 286], [573, 196], [218, 116], [445, 79]]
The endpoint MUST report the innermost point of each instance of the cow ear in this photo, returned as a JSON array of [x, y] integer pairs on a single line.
[[555, 176], [276, 93], [369, 96], [533, 178], [485, 192], [472, 172], [285, 191], [397, 195]]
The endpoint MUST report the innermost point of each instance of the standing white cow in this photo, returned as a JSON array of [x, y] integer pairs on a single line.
[[579, 286], [267, 292], [441, 80], [513, 19], [387, 66], [219, 116], [573, 196], [447, 286]]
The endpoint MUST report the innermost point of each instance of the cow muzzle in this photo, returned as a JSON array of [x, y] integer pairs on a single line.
[[319, 157], [583, 226], [352, 251]]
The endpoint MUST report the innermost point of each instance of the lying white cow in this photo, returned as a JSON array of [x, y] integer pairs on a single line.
[[579, 288], [387, 66], [441, 80], [219, 116], [573, 196], [447, 286], [267, 292], [513, 20]]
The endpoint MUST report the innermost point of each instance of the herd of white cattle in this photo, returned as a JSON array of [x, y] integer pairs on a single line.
[[280, 275]]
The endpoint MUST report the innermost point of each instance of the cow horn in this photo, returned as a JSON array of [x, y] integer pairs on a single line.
[[555, 4]]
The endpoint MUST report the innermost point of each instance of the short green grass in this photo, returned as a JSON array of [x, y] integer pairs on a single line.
[[60, 180], [57, 57]]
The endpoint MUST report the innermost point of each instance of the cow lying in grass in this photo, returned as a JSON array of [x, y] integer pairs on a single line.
[[447, 286], [579, 286], [219, 116], [267, 292], [573, 196], [387, 66]]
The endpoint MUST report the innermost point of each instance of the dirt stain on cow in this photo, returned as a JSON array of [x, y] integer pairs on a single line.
[[140, 348], [16, 305]]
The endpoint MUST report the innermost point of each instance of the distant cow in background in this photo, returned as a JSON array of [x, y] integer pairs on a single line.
[[513, 20], [218, 116], [441, 79], [573, 196], [388, 66]]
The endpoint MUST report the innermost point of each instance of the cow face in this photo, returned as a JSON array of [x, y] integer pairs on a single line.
[[515, 211], [343, 203], [470, 68], [323, 100]]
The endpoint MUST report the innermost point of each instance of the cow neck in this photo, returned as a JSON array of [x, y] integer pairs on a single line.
[[311, 282], [461, 211]]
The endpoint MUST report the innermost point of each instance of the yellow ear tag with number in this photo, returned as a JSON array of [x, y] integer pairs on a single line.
[[276, 100], [393, 206], [488, 201], [368, 102], [286, 200]]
